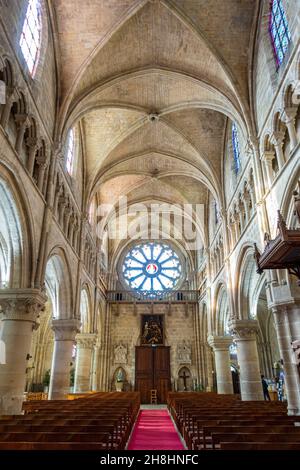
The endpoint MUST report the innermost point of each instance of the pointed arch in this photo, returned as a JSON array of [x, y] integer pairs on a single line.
[[58, 283], [246, 282], [85, 309], [16, 233]]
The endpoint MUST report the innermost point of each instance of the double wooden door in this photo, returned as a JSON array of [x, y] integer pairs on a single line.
[[152, 371]]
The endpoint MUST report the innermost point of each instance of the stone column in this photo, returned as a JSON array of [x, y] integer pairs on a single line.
[[244, 333], [286, 333], [19, 313], [220, 346], [95, 375], [85, 344], [11, 97], [65, 332], [41, 174], [22, 122], [32, 143], [209, 369], [267, 158], [289, 116], [277, 141]]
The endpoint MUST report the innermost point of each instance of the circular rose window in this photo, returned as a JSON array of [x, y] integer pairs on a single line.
[[152, 268]]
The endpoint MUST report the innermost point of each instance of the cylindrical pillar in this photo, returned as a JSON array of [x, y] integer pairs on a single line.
[[20, 310], [65, 332], [95, 374], [220, 346], [287, 331], [85, 344], [244, 333]]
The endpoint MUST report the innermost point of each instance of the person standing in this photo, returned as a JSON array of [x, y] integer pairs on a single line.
[[265, 388]]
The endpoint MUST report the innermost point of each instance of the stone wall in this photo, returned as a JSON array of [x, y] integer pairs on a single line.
[[43, 88], [126, 329]]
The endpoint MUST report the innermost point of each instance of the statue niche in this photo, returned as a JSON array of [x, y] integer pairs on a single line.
[[184, 380]]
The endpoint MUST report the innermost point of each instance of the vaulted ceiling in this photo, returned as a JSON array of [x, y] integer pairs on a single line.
[[152, 83]]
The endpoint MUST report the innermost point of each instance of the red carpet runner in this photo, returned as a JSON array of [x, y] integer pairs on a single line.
[[154, 430]]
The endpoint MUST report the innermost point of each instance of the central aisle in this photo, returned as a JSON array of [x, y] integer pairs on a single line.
[[154, 430]]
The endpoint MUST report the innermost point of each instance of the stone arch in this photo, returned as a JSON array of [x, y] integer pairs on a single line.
[[59, 285], [6, 71], [16, 261], [119, 377], [189, 380], [123, 247], [286, 205], [246, 282], [222, 310], [85, 310]]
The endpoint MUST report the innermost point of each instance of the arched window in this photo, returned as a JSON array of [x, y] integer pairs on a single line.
[[216, 212], [236, 149], [84, 311], [92, 211], [279, 31], [70, 152], [151, 269], [31, 36]]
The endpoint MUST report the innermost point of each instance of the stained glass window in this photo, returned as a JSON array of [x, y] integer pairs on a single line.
[[30, 40], [152, 269], [70, 152], [236, 149], [279, 31]]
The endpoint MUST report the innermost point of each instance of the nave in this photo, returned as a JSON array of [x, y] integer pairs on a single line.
[[149, 224], [114, 421]]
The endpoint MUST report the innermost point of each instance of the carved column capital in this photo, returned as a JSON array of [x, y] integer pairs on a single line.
[[11, 94], [65, 329], [22, 120], [32, 142], [289, 114], [243, 329], [86, 340], [268, 156], [219, 342], [21, 304], [277, 138], [42, 161]]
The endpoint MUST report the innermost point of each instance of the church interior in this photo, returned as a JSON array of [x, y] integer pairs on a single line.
[[149, 224]]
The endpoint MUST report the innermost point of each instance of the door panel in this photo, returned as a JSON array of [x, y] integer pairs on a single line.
[[152, 371], [162, 380]]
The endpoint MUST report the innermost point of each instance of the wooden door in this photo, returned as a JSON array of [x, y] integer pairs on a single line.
[[144, 371], [162, 381], [152, 371]]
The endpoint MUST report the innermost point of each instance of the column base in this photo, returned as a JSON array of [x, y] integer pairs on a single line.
[[11, 404]]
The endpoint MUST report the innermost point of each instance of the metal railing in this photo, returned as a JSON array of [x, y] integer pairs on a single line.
[[178, 296]]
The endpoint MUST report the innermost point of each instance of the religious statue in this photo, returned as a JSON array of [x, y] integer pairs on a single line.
[[120, 354], [296, 195], [184, 352]]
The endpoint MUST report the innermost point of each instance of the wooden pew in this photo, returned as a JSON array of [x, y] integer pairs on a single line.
[[204, 420], [93, 422]]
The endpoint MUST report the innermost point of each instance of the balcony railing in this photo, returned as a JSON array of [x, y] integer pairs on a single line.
[[178, 296]]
